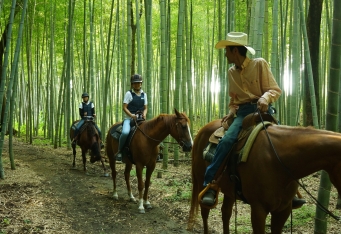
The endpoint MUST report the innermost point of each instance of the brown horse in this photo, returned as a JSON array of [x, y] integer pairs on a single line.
[[269, 177], [88, 140], [144, 150]]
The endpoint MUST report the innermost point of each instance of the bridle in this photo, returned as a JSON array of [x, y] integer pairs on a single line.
[[177, 124]]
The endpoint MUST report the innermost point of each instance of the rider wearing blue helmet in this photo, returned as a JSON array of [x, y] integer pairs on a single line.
[[134, 100]]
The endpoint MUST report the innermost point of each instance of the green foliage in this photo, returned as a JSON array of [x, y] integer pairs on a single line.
[[133, 172], [177, 189], [39, 141], [301, 217], [6, 221], [27, 221]]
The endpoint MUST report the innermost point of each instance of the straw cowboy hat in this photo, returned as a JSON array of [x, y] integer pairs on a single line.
[[235, 39]]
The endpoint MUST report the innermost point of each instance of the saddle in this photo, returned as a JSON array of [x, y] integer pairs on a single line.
[[87, 120], [116, 132], [251, 126]]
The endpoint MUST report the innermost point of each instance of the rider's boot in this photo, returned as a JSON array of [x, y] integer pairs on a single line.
[[209, 197], [118, 156]]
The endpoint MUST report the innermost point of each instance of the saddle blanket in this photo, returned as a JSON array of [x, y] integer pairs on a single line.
[[244, 153]]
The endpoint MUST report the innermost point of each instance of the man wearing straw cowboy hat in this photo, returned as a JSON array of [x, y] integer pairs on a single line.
[[251, 86]]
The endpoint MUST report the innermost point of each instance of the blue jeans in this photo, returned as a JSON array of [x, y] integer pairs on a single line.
[[125, 133], [80, 124], [225, 144]]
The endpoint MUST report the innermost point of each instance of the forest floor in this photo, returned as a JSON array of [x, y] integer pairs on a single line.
[[45, 195]]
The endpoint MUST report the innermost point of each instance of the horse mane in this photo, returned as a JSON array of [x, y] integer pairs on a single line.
[[310, 129], [91, 131], [150, 124], [167, 118]]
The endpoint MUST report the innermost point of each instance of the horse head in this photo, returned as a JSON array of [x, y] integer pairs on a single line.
[[93, 139], [95, 154], [183, 135]]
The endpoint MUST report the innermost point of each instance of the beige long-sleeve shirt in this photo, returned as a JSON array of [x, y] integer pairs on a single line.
[[252, 81]]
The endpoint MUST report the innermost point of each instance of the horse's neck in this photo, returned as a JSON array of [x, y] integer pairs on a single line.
[[90, 128], [308, 150], [156, 128]]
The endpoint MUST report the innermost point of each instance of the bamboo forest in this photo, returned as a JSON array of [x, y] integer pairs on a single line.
[[54, 51]]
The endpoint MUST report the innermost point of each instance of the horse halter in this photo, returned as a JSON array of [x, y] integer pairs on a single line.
[[182, 142], [179, 127]]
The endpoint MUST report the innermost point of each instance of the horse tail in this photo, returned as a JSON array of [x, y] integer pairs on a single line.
[[194, 200], [198, 171], [199, 167], [108, 147]]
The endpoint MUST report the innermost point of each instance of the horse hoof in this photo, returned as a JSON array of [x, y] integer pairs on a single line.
[[132, 199], [147, 206], [142, 211], [115, 197], [106, 175]]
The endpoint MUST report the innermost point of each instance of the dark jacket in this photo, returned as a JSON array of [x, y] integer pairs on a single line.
[[86, 108], [136, 104]]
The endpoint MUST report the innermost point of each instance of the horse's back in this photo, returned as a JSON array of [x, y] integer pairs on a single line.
[[111, 143], [201, 140]]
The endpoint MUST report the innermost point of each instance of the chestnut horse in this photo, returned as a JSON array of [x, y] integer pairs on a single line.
[[144, 150], [88, 140], [280, 156]]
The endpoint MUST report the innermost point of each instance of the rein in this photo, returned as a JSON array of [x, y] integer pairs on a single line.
[[138, 127], [292, 176]]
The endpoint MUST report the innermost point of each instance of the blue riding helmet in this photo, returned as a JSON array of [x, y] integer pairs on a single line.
[[136, 79], [85, 95]]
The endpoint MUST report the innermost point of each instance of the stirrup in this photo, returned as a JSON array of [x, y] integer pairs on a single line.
[[202, 193], [118, 156]]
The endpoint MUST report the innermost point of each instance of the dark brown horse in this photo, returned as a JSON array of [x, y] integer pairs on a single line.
[[144, 150], [88, 140], [269, 179]]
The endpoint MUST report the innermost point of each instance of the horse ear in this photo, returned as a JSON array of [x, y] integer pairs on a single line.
[[177, 112]]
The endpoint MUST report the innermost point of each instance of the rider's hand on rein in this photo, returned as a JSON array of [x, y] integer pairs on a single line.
[[262, 104], [227, 117]]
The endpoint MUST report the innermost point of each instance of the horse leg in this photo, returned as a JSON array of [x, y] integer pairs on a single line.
[[139, 169], [278, 220], [204, 216], [127, 170], [112, 163], [84, 159], [149, 172], [334, 176], [226, 211], [258, 216], [104, 169], [74, 157]]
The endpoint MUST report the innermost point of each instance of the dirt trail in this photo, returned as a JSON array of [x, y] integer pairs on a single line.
[[44, 195]]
